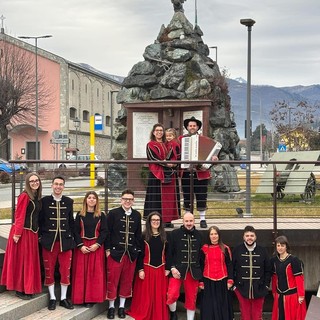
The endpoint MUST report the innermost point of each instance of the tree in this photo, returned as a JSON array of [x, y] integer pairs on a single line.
[[18, 91], [294, 123]]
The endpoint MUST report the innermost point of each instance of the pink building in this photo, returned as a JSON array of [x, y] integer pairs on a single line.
[[73, 92]]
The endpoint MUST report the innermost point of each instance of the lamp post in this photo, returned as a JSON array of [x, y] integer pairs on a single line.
[[76, 123], [111, 116], [37, 102], [248, 23]]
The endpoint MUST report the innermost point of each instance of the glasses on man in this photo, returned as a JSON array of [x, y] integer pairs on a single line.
[[127, 199], [34, 181]]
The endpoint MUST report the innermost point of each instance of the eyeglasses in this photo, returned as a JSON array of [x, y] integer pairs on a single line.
[[127, 199], [160, 130], [34, 181], [155, 220]]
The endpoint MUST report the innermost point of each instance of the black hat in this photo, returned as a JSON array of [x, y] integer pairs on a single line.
[[186, 122]]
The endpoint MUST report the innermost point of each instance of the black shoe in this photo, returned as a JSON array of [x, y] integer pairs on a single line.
[[110, 314], [203, 224], [121, 313], [88, 305], [173, 315], [52, 304], [66, 304], [169, 225], [23, 296]]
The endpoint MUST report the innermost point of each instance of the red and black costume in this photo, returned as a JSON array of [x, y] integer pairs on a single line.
[[251, 275], [217, 272], [184, 255], [287, 287], [124, 243], [149, 294], [161, 195], [56, 237], [200, 186], [21, 269], [88, 270]]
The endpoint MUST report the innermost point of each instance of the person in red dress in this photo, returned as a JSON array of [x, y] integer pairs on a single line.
[[161, 195], [88, 266], [150, 287], [215, 258], [21, 269], [287, 283]]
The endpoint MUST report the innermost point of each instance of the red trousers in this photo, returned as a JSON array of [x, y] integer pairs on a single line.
[[251, 309], [190, 288], [120, 274], [50, 259]]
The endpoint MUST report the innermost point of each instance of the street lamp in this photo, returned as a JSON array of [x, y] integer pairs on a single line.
[[248, 23], [76, 123], [111, 116], [37, 102]]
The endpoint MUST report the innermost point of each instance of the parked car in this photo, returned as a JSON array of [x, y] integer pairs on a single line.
[[7, 167], [83, 157]]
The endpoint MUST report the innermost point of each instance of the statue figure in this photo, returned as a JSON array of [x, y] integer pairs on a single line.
[[177, 5]]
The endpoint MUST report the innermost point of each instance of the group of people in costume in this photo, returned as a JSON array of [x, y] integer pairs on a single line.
[[109, 256], [163, 181]]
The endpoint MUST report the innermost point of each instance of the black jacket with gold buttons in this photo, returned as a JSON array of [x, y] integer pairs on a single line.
[[56, 223], [184, 251], [252, 271]]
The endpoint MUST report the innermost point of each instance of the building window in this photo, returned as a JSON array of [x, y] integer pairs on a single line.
[[108, 121], [86, 88], [85, 115], [72, 113], [72, 84]]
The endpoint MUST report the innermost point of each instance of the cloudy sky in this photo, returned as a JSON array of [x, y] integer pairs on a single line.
[[111, 35]]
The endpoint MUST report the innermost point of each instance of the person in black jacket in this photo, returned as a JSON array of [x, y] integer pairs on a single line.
[[122, 245], [56, 225], [252, 275], [184, 257]]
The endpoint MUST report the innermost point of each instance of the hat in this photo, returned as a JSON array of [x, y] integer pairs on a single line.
[[186, 122]]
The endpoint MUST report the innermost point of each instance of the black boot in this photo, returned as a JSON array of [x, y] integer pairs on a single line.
[[173, 315]]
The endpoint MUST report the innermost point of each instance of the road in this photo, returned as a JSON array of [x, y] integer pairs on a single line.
[[72, 183]]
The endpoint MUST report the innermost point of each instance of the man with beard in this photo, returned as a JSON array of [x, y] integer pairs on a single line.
[[252, 274], [184, 258]]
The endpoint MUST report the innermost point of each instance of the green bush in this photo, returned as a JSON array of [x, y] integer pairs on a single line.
[[4, 177]]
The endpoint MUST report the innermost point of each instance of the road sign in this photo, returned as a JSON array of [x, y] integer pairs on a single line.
[[60, 141], [282, 148], [97, 122]]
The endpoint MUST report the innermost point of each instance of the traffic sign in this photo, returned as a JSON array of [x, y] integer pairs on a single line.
[[282, 148], [97, 122]]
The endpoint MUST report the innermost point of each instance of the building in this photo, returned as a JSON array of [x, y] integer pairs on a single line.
[[75, 93]]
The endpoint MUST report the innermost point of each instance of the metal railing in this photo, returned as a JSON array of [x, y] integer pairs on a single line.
[[111, 177]]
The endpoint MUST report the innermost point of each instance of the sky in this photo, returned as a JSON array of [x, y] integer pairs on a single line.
[[111, 35]]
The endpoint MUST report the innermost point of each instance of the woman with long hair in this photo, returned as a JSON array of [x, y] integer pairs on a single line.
[[287, 283], [88, 267], [21, 269], [150, 287], [161, 195], [217, 275]]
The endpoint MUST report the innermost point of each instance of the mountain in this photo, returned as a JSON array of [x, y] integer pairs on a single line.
[[263, 99]]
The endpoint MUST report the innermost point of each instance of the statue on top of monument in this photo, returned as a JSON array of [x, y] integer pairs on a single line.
[[177, 5]]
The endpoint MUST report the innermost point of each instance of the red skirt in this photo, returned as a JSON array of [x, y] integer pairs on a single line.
[[21, 269], [293, 310], [149, 295], [88, 275]]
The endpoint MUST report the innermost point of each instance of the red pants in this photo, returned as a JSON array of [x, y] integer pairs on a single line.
[[190, 288], [50, 259], [251, 309], [120, 274]]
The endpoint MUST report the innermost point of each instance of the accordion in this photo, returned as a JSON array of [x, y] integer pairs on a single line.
[[198, 147]]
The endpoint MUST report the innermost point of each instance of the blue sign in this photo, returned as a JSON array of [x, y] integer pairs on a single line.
[[97, 122], [282, 148]]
